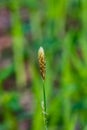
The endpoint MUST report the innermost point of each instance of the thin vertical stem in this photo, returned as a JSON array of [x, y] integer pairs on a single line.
[[44, 95], [44, 111]]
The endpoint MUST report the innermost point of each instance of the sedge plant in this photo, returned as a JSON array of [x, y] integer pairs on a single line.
[[42, 65]]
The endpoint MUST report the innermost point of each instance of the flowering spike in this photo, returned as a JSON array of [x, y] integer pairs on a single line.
[[42, 63]]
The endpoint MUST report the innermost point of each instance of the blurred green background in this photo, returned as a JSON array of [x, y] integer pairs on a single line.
[[60, 26]]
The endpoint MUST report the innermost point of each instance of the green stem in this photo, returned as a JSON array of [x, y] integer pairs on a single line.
[[44, 100]]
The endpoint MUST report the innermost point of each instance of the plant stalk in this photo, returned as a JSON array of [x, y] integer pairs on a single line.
[[44, 106]]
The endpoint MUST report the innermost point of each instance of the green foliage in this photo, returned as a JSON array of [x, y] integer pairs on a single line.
[[60, 26]]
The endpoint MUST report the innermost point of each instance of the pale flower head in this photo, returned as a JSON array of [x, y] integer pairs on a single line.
[[41, 58], [40, 52]]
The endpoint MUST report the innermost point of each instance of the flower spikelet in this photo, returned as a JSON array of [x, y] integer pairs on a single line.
[[42, 63]]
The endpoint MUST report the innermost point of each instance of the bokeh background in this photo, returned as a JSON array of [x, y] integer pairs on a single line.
[[60, 26]]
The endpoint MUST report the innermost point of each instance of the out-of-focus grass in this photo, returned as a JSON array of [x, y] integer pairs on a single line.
[[18, 43], [66, 56]]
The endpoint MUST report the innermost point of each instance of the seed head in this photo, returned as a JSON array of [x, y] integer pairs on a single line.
[[42, 64]]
